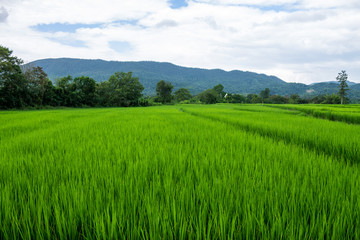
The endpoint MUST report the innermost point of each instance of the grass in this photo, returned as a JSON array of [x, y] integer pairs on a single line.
[[177, 172], [336, 139], [342, 113]]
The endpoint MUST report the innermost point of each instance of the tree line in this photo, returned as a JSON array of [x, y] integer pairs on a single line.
[[217, 95], [24, 86]]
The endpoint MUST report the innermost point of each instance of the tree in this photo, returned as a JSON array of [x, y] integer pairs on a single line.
[[234, 98], [85, 90], [277, 99], [103, 93], [163, 91], [237, 98], [343, 86], [219, 90], [122, 89], [209, 96], [13, 87], [182, 94], [332, 99], [253, 98], [40, 87], [318, 99], [65, 91], [265, 94], [294, 99]]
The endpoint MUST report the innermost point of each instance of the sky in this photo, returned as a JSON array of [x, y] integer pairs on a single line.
[[303, 41]]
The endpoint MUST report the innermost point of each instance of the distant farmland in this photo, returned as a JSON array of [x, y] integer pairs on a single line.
[[181, 172]]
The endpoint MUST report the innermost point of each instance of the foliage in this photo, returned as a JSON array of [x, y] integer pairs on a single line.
[[65, 91], [163, 91], [196, 80], [332, 99], [209, 96], [343, 86], [294, 99], [39, 86], [13, 88], [278, 99], [122, 89], [219, 90], [253, 98], [32, 88], [84, 88], [328, 99], [265, 94], [182, 94], [235, 98]]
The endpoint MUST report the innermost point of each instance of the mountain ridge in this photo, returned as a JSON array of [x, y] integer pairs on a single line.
[[195, 79]]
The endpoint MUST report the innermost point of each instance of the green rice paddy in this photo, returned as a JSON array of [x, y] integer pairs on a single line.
[[181, 172]]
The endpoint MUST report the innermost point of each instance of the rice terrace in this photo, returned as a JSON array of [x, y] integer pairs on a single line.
[[223, 171]]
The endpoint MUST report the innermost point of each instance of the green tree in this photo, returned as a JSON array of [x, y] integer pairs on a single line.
[[265, 94], [65, 91], [163, 91], [13, 86], [332, 99], [317, 99], [103, 93], [85, 90], [182, 94], [253, 98], [237, 98], [209, 96], [343, 86], [277, 99], [122, 89], [40, 87], [294, 99], [219, 90]]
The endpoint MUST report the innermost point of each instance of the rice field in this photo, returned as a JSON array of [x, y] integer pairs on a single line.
[[344, 113], [223, 171]]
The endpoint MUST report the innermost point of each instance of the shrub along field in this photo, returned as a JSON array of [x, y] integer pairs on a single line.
[[179, 172]]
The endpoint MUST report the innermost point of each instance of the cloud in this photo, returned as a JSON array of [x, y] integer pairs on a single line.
[[166, 23], [210, 21], [297, 40], [3, 14], [305, 16]]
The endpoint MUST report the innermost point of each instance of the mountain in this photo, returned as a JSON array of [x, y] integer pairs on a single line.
[[348, 82], [194, 79], [332, 87]]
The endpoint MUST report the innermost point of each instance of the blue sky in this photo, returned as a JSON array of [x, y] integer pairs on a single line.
[[175, 4], [62, 27], [297, 40]]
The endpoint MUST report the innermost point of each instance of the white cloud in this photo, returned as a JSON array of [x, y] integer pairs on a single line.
[[308, 41], [3, 14], [249, 2]]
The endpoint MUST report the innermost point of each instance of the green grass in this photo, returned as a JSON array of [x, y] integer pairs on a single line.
[[342, 113], [336, 139], [178, 172]]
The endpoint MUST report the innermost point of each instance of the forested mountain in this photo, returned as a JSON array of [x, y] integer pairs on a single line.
[[194, 79]]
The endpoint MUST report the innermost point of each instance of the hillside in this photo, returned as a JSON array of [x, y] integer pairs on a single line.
[[195, 79]]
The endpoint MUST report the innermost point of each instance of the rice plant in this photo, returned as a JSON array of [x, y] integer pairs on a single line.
[[176, 172], [343, 113]]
